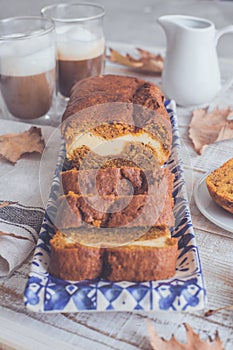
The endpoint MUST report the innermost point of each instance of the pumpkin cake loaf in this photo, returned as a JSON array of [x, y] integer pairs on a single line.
[[151, 257], [220, 185], [118, 110], [115, 210]]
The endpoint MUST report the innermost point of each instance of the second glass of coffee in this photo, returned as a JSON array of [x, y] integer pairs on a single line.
[[80, 42]]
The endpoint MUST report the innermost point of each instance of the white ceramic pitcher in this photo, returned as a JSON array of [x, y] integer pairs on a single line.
[[191, 73]]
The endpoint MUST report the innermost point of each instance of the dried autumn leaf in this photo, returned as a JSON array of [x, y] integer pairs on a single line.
[[214, 311], [6, 204], [13, 146], [209, 127], [194, 342], [14, 236], [147, 61]]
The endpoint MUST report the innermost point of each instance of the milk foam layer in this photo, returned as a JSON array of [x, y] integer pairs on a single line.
[[14, 61], [78, 43]]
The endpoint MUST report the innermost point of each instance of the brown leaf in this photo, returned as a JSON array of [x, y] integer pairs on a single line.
[[147, 61], [209, 127], [194, 342], [214, 311], [14, 236], [6, 204], [13, 146]]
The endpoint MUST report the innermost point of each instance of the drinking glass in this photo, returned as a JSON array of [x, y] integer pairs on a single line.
[[27, 68], [80, 41]]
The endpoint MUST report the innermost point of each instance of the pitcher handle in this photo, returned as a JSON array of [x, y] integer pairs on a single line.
[[219, 33]]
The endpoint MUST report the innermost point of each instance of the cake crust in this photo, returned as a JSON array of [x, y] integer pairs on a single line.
[[112, 88], [220, 185]]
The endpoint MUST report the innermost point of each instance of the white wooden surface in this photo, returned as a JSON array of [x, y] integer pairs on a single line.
[[20, 329]]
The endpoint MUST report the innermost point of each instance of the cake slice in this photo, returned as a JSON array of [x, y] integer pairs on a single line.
[[71, 260], [220, 185], [116, 181], [150, 257], [152, 208], [100, 199], [107, 113], [142, 210]]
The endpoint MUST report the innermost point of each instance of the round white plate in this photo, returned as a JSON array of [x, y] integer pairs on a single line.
[[209, 209]]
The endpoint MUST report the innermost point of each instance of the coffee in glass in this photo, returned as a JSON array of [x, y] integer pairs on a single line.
[[80, 42], [27, 66]]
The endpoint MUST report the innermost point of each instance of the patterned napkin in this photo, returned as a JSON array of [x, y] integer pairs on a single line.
[[24, 190]]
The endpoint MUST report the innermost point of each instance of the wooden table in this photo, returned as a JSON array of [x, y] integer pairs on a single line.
[[20, 329]]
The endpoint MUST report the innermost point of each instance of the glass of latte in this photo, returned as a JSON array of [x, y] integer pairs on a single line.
[[28, 68], [80, 42]]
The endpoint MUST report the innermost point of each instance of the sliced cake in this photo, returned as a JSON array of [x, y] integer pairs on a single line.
[[124, 180], [107, 113], [220, 185], [71, 260], [152, 208], [150, 257]]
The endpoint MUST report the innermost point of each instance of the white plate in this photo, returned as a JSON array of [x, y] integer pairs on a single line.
[[209, 208]]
